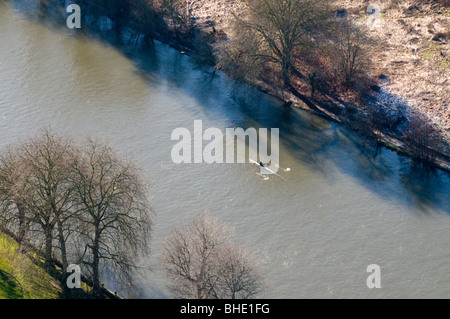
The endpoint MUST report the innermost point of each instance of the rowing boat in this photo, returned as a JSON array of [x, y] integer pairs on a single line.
[[263, 167]]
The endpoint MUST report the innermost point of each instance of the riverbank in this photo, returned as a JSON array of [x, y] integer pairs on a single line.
[[412, 59], [437, 159], [22, 275], [394, 84], [412, 32], [20, 278], [211, 22]]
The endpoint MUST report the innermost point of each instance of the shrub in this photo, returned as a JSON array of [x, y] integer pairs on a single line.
[[387, 114], [422, 136], [350, 49]]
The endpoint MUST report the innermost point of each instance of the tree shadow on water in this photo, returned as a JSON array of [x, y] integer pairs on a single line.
[[428, 187]]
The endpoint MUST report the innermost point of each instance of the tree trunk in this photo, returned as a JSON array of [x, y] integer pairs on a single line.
[[96, 264], [68, 293], [285, 68], [48, 247], [22, 224], [62, 244]]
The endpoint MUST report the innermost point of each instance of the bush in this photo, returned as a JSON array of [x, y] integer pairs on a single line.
[[387, 114], [350, 51], [422, 136]]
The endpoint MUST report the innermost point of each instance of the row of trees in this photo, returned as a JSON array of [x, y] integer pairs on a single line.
[[81, 204], [279, 34], [290, 43], [270, 34]]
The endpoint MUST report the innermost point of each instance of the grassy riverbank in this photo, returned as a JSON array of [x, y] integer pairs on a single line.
[[20, 277], [23, 276]]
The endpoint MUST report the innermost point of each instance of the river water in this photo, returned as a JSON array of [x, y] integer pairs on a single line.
[[342, 207]]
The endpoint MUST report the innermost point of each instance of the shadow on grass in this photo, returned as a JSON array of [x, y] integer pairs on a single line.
[[9, 286]]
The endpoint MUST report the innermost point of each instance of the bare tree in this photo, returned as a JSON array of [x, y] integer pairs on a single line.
[[83, 200], [237, 278], [423, 137], [240, 57], [204, 264], [114, 221], [13, 214], [147, 19], [36, 190], [273, 30], [350, 50], [47, 192], [179, 14]]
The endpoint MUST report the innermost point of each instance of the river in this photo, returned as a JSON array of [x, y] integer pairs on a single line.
[[342, 207]]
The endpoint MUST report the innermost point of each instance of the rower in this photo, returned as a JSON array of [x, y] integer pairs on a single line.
[[261, 164]]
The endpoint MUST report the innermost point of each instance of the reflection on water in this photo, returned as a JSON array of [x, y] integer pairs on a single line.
[[345, 203]]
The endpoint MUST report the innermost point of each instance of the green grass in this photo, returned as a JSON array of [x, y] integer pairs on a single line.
[[432, 51], [445, 64], [429, 55], [20, 278], [9, 288]]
